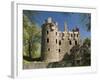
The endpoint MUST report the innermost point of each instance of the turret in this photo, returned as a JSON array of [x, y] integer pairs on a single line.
[[49, 41]]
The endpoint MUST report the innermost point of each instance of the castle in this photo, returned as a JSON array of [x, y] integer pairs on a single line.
[[55, 44]]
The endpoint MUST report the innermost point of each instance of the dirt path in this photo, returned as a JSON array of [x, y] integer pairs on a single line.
[[35, 65]]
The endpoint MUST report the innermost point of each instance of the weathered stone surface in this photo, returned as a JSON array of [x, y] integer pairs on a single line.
[[55, 44]]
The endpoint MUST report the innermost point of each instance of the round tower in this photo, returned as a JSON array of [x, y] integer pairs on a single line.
[[49, 49]]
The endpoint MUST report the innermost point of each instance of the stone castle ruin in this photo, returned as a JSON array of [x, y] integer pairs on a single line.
[[55, 44]]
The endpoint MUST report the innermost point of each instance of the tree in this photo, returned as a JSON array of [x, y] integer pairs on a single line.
[[87, 42], [31, 36]]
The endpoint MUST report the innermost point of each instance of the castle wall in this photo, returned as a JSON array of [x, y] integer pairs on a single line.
[[74, 39], [55, 44], [64, 47]]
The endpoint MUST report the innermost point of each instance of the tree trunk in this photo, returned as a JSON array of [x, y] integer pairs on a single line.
[[29, 49]]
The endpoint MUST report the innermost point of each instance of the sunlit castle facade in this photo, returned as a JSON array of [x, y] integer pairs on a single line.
[[55, 43]]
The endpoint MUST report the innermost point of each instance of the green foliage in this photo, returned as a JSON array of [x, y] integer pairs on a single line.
[[87, 42], [31, 38], [36, 50], [26, 62]]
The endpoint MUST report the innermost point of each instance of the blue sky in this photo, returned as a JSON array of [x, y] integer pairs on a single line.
[[73, 20]]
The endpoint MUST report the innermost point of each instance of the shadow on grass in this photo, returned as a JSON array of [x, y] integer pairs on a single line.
[[31, 59]]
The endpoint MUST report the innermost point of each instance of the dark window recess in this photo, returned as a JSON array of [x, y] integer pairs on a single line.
[[74, 35], [60, 42], [62, 34], [68, 38], [47, 32], [56, 41], [70, 42], [75, 42], [59, 50], [56, 33], [77, 35], [78, 61], [71, 35], [48, 49], [47, 40]]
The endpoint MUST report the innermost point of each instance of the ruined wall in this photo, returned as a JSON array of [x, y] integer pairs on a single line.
[[55, 44], [74, 39], [63, 45]]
